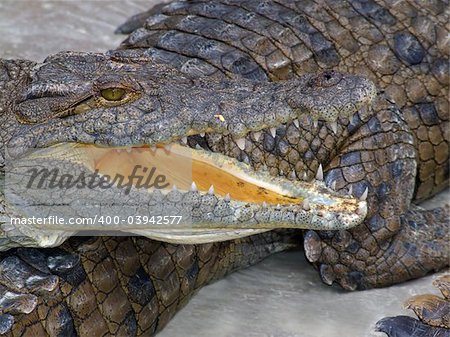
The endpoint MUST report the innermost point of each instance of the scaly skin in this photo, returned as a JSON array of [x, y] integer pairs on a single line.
[[400, 155], [115, 286]]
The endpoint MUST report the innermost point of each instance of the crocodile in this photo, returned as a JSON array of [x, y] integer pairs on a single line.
[[395, 148]]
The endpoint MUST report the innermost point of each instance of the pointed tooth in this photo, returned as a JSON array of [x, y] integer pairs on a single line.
[[257, 135], [350, 190], [362, 209], [315, 123], [194, 187], [264, 204], [118, 150], [334, 126], [278, 206], [305, 176], [198, 147], [153, 148], [297, 123], [202, 134], [241, 143], [227, 197], [167, 147], [281, 173], [333, 185], [211, 190], [128, 149], [363, 197], [184, 140], [319, 174], [174, 188], [273, 132], [292, 175], [305, 205]]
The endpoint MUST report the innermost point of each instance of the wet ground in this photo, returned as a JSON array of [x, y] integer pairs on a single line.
[[280, 297]]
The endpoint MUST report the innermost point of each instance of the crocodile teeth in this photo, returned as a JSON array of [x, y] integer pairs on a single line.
[[319, 174], [202, 134], [315, 123], [334, 126], [227, 197], [350, 190], [292, 175], [241, 143], [257, 135], [305, 176], [198, 147], [363, 197], [184, 140], [333, 185], [194, 187], [361, 209], [273, 132], [305, 205], [167, 147], [296, 123], [264, 204], [211, 190], [128, 149], [174, 188]]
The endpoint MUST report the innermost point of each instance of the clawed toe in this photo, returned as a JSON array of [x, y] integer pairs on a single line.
[[432, 310], [406, 326]]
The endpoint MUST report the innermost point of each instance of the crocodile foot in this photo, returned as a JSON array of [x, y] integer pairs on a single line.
[[397, 241], [355, 260], [432, 310], [28, 278]]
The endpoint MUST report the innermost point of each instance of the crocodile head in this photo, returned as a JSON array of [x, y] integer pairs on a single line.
[[241, 138]]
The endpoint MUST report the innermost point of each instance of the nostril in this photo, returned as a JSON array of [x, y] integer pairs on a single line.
[[329, 74], [325, 79]]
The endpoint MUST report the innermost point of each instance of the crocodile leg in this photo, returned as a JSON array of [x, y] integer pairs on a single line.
[[78, 288], [397, 242]]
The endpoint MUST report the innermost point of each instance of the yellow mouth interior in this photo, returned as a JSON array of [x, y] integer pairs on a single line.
[[181, 166]]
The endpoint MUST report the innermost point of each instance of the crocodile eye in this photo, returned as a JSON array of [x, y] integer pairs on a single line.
[[113, 94]]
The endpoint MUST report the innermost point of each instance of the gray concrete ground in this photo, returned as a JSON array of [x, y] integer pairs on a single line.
[[280, 297]]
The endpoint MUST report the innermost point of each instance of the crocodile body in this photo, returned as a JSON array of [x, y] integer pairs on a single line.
[[397, 148]]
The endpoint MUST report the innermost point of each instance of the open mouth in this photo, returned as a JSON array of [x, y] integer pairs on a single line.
[[276, 202], [231, 198]]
